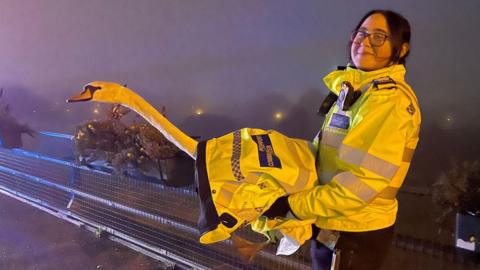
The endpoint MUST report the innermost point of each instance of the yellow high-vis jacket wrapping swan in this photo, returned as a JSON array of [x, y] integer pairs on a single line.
[[241, 174], [363, 153]]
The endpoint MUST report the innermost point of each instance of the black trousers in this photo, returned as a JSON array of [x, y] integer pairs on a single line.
[[358, 250]]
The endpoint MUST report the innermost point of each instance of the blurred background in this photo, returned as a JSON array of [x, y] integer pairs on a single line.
[[219, 65]]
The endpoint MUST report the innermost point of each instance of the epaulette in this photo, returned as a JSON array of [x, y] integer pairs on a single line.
[[384, 83]]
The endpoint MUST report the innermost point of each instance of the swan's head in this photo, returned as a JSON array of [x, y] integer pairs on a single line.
[[109, 92]]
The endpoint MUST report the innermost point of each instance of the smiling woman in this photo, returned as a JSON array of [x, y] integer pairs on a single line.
[[380, 40], [364, 149]]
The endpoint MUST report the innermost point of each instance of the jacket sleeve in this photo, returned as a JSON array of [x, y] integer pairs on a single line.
[[368, 158]]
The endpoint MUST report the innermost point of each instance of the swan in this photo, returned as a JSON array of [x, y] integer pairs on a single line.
[[231, 168]]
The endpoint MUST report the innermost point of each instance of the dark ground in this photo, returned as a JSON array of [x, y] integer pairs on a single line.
[[33, 239]]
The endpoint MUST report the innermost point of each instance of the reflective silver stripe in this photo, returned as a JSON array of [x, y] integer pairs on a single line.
[[325, 177], [224, 198], [367, 161], [407, 154], [300, 182], [332, 139], [236, 153], [226, 192], [252, 178], [302, 176], [356, 186], [388, 193]]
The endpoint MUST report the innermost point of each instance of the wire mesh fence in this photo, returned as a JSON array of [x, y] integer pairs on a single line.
[[158, 217]]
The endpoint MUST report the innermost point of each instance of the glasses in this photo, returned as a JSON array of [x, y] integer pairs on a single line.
[[376, 39]]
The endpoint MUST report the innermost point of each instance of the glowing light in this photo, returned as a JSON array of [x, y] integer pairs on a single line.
[[67, 110], [96, 111], [447, 121], [198, 111], [278, 116], [34, 111]]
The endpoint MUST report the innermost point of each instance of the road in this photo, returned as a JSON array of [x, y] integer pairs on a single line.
[[33, 239]]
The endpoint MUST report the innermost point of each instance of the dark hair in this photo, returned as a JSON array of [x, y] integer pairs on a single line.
[[399, 32]]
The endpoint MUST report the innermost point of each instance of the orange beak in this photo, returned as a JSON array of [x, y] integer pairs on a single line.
[[86, 95]]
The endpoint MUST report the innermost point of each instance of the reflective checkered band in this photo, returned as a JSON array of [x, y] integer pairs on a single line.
[[236, 152]]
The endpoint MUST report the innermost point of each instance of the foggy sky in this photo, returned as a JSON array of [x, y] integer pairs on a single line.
[[239, 61]]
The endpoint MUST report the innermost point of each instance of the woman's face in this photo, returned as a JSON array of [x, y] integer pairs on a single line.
[[367, 56]]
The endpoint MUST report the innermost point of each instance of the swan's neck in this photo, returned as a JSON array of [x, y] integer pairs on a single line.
[[156, 119]]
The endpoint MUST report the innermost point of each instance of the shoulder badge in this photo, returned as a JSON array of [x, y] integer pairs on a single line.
[[384, 83], [411, 109]]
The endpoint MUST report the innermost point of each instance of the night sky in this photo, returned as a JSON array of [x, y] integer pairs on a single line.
[[241, 63]]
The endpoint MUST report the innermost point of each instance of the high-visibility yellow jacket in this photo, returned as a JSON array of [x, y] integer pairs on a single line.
[[241, 174], [363, 153]]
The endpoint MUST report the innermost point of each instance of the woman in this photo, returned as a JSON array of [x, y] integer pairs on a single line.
[[364, 148]]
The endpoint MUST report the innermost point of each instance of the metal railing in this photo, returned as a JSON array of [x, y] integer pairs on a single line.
[[149, 216]]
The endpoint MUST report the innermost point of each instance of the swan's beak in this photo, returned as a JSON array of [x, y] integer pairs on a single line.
[[86, 94]]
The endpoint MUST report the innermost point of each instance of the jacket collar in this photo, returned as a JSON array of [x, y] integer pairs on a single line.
[[358, 78]]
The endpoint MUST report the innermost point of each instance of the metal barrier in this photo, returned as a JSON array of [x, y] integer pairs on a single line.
[[151, 217]]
